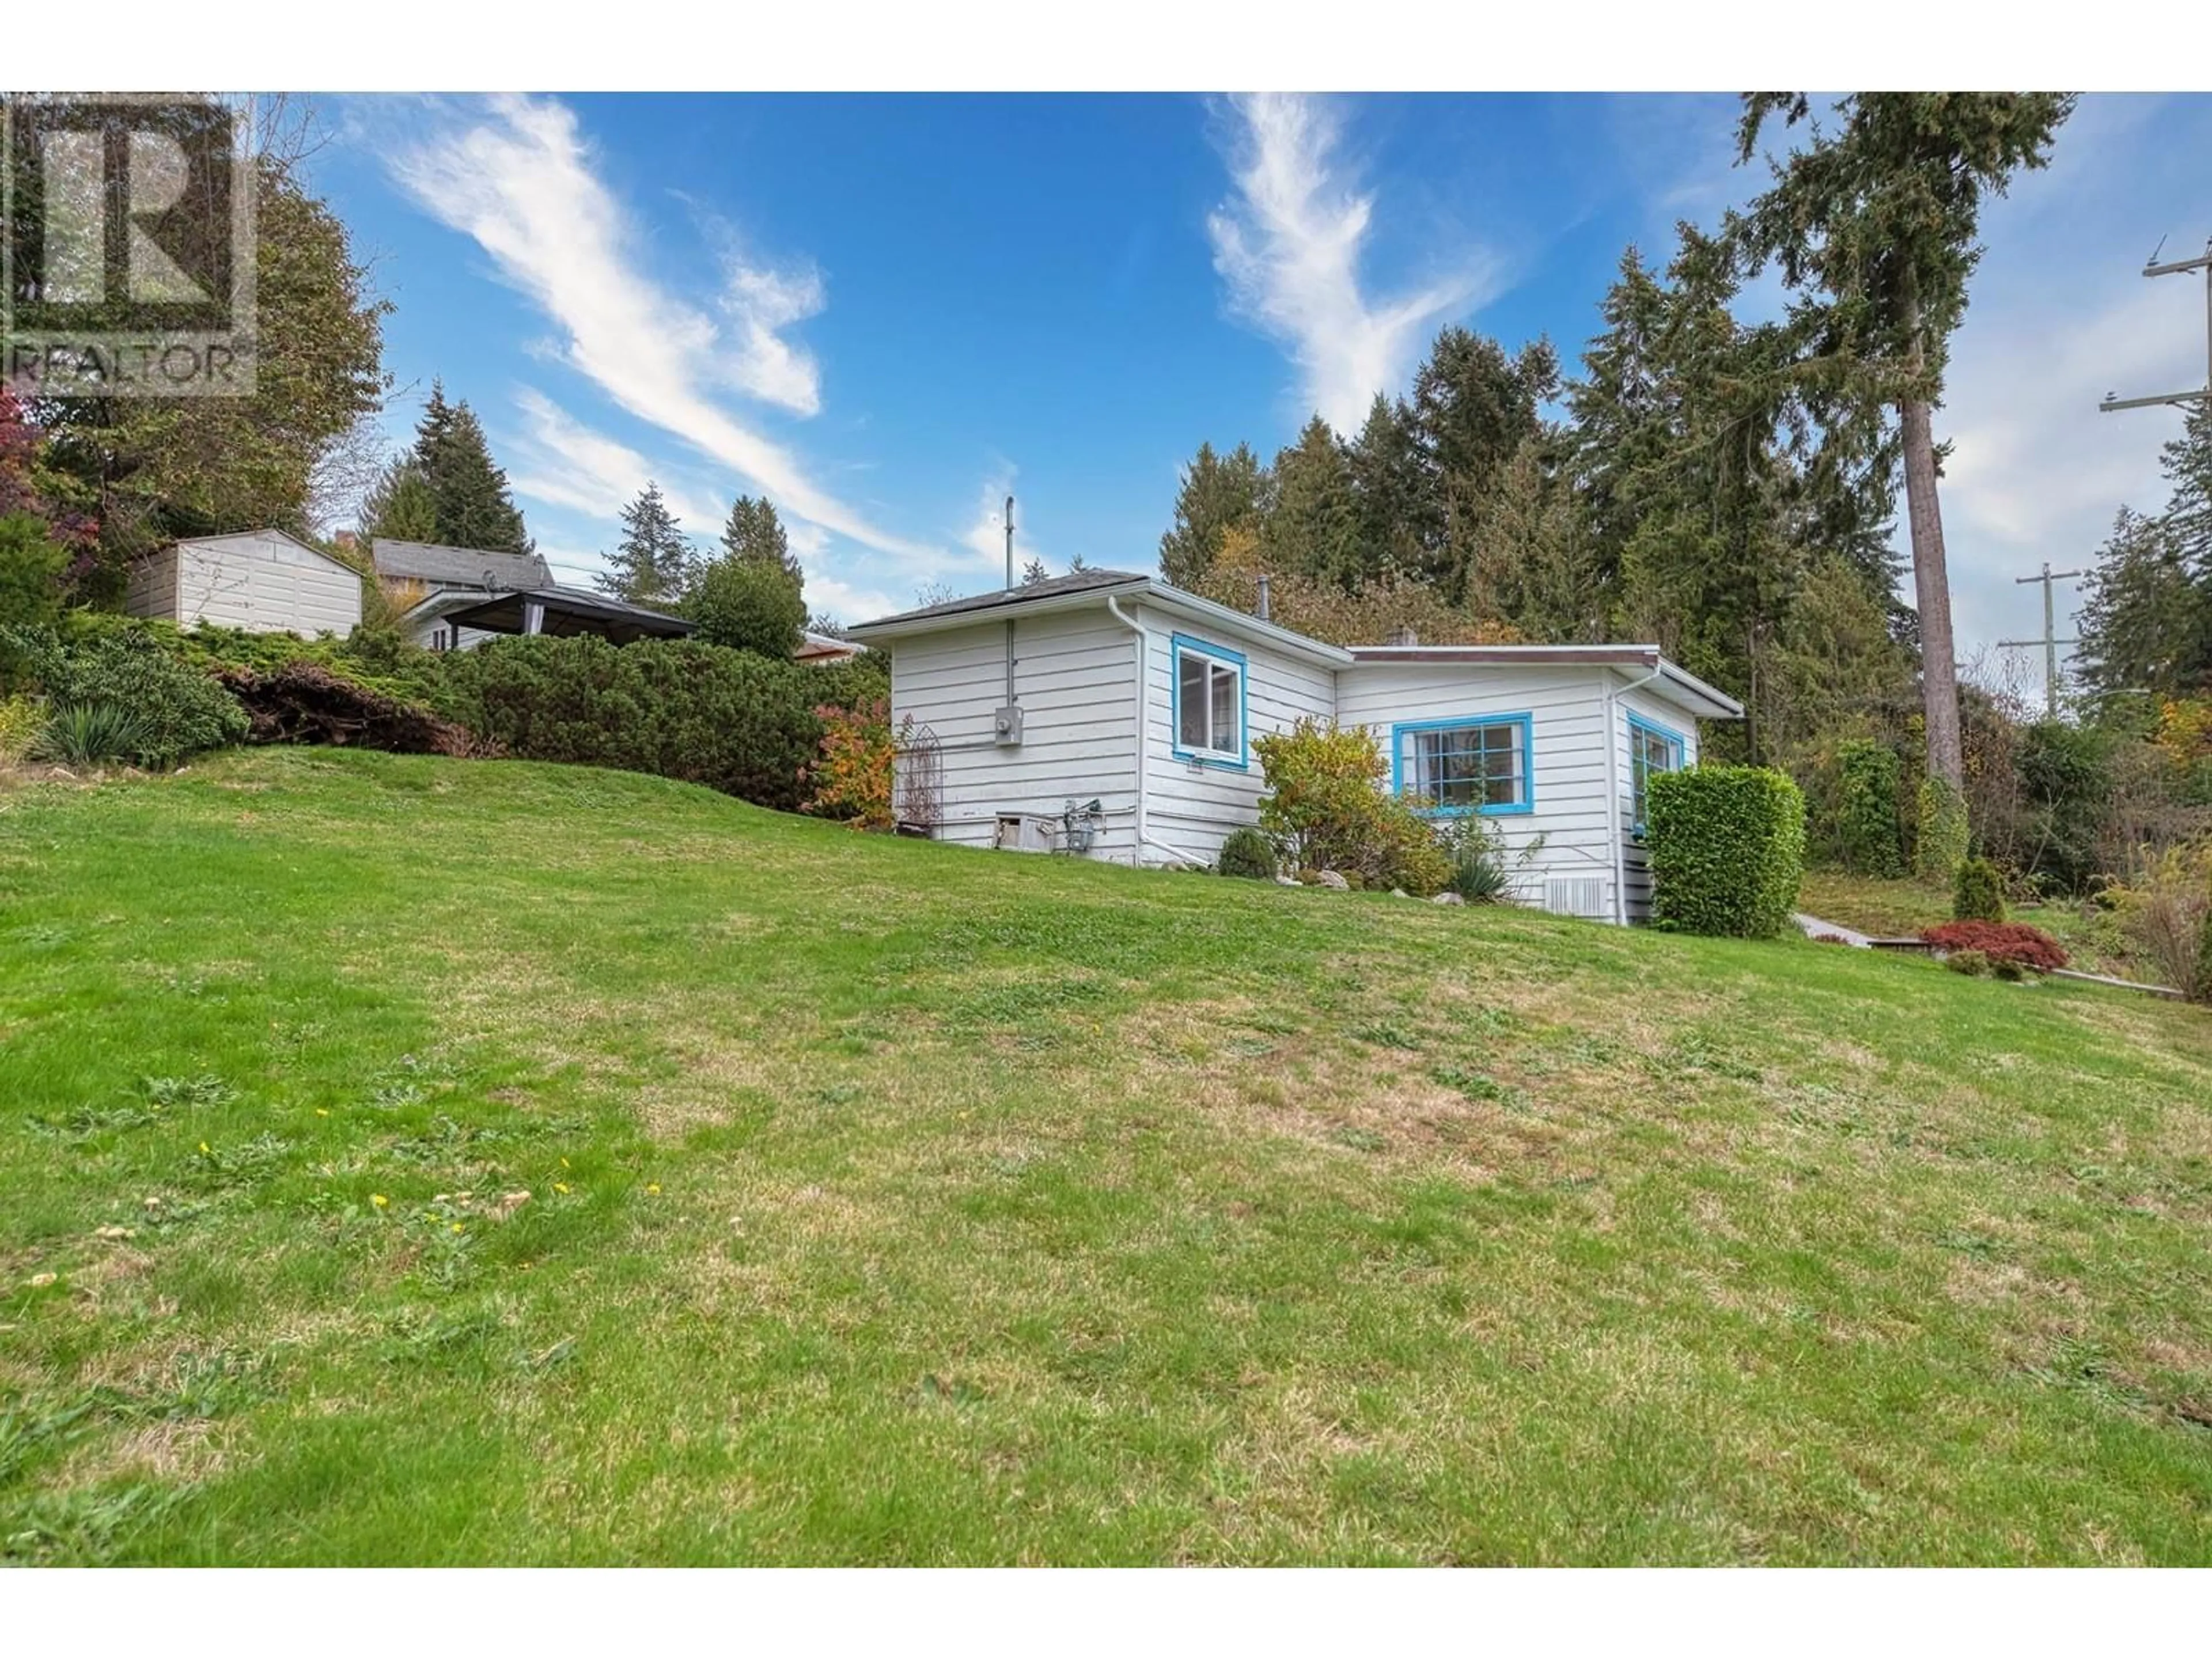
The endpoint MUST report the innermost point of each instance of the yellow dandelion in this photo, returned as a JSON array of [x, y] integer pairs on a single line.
[[564, 1163], [203, 1145], [457, 1227], [322, 1111], [560, 1186], [652, 1188], [379, 1200]]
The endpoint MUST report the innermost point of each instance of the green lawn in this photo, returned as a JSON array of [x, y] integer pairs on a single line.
[[2091, 935], [893, 1203]]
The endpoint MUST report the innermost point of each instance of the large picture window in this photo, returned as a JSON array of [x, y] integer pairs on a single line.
[[1209, 702], [1476, 764], [1651, 749]]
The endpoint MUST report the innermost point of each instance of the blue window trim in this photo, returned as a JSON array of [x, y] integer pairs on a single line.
[[1240, 759], [1637, 723], [1528, 724]]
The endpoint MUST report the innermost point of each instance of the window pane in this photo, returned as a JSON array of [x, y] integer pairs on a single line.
[[1224, 707], [1191, 692]]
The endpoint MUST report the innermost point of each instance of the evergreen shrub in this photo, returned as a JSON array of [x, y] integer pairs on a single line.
[[1727, 847]]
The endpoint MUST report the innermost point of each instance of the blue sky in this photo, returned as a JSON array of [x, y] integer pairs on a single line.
[[886, 312]]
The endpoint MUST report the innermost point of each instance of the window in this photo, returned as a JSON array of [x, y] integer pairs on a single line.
[[1473, 764], [1651, 749], [1209, 704]]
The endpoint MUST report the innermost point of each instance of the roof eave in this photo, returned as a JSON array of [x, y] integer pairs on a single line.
[[1148, 589]]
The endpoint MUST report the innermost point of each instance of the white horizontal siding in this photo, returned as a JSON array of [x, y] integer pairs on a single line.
[[1566, 750], [1074, 680], [153, 587], [266, 584], [1192, 806]]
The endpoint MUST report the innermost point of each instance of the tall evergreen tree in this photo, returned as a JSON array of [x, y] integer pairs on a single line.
[[1312, 525], [1217, 494], [1534, 563], [399, 506], [2146, 618], [474, 507], [1395, 501], [752, 597], [1473, 408], [651, 565], [753, 531], [1873, 223]]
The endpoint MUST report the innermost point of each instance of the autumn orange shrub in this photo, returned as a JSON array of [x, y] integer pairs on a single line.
[[850, 778]]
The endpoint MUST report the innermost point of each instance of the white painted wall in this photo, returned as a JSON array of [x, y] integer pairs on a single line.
[[264, 582], [152, 589], [1566, 741], [1192, 806], [1075, 679]]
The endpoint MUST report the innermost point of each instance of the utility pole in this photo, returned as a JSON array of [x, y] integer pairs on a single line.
[[2152, 268], [2050, 641]]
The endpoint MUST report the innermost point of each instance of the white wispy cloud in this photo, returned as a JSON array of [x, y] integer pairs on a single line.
[[560, 461], [516, 175], [761, 304], [1289, 243]]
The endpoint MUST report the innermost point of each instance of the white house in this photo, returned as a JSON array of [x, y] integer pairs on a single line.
[[262, 580], [1031, 703]]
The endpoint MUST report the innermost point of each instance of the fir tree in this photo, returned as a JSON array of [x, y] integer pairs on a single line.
[[752, 597], [474, 508], [1217, 494], [753, 531], [2146, 619], [399, 506], [1312, 525], [1473, 408], [1396, 500], [651, 566], [1873, 221]]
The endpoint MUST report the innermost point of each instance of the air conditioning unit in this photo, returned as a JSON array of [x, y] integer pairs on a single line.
[[1006, 725], [1577, 895]]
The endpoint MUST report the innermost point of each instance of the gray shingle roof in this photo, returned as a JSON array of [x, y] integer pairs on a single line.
[[457, 566], [1076, 582]]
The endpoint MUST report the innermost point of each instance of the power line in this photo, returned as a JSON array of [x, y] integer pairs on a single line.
[[2152, 268], [2050, 641]]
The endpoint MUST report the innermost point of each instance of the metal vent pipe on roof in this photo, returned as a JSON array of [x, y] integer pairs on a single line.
[[1263, 608]]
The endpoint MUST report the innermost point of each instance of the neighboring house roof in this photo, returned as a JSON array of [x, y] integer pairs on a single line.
[[1086, 587], [825, 647], [565, 611], [458, 567]]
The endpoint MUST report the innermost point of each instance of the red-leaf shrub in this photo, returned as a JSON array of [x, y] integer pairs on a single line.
[[2000, 941]]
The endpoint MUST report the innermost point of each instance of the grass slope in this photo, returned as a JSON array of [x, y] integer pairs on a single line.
[[888, 1202]]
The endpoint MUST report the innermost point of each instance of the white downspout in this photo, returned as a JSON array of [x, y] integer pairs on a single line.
[[1143, 839], [1616, 738]]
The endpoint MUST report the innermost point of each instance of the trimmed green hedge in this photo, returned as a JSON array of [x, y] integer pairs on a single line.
[[1727, 847], [734, 721]]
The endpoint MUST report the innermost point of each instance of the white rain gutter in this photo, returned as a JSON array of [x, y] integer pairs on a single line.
[[1616, 733], [1114, 604]]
